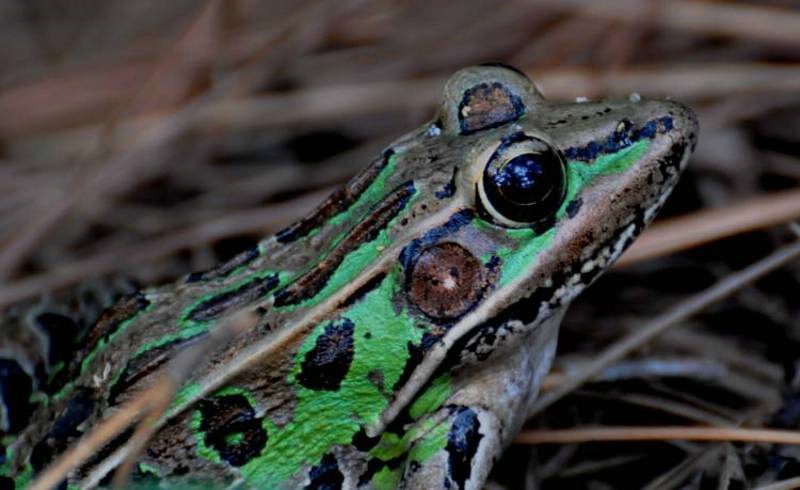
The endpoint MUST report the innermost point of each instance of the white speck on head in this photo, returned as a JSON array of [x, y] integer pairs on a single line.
[[635, 97], [434, 130], [581, 99]]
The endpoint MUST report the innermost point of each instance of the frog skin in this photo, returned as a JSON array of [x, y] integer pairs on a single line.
[[409, 319]]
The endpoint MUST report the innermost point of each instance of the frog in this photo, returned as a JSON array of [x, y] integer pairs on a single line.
[[405, 325]]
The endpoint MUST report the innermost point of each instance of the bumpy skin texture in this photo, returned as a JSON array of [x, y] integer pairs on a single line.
[[408, 327]]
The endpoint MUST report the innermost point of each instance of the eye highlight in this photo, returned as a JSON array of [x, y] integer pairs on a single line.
[[524, 181]]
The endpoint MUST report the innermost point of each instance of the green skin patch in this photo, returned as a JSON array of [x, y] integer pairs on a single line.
[[380, 338]]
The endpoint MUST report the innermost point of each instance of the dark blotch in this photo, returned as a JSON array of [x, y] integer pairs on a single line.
[[416, 352], [363, 442], [62, 332], [326, 365], [326, 475], [16, 388], [246, 293], [573, 207], [462, 444], [231, 428], [449, 188], [65, 428], [488, 105]]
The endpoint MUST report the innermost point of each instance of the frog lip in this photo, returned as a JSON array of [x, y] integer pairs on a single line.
[[685, 124]]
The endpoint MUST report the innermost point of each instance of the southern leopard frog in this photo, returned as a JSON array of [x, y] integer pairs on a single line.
[[411, 316]]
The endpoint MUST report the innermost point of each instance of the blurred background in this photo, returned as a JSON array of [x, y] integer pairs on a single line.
[[149, 139]]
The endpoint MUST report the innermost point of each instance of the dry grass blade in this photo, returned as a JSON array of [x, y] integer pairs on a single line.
[[739, 21], [705, 226], [607, 434], [255, 220], [787, 484], [150, 404], [97, 177], [658, 325]]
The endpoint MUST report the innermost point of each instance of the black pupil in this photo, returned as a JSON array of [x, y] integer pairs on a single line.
[[528, 188], [528, 178]]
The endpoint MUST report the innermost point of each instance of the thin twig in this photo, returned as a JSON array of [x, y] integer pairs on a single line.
[[606, 434], [639, 337]]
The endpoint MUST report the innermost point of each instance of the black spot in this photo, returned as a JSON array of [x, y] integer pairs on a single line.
[[78, 409], [326, 475], [670, 166], [416, 352], [573, 207], [363, 442], [6, 483], [62, 332], [326, 365], [376, 378], [64, 429], [16, 388], [449, 188], [375, 465], [224, 269], [462, 444], [248, 292], [231, 428]]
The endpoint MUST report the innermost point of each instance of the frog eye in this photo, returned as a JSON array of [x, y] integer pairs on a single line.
[[524, 181]]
